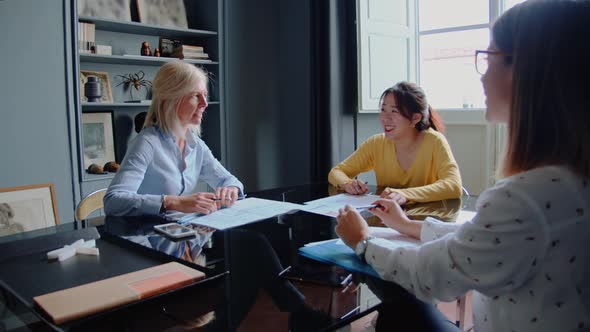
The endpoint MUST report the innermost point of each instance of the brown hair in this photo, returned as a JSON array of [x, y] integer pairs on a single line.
[[549, 121], [411, 100]]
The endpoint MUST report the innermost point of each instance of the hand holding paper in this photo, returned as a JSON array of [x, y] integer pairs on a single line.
[[351, 228]]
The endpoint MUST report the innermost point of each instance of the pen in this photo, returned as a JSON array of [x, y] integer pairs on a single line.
[[366, 207], [222, 199]]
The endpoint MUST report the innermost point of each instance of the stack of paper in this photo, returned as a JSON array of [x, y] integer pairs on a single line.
[[243, 212], [329, 206]]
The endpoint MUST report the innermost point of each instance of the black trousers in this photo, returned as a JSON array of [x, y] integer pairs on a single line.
[[254, 265], [402, 311]]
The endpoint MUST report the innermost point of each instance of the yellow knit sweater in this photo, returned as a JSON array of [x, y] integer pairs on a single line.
[[433, 175]]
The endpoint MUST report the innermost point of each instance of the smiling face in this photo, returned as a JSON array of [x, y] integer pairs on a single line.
[[497, 86], [191, 108], [394, 124]]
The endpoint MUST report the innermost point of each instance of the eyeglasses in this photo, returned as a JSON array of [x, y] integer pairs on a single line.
[[481, 59]]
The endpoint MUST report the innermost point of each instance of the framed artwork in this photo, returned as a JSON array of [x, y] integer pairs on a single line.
[[103, 76], [113, 9], [27, 208], [169, 13], [98, 142]]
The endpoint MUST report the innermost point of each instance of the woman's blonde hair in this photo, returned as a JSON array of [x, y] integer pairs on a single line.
[[173, 81], [549, 118]]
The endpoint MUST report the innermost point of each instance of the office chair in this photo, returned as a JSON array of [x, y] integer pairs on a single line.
[[89, 204]]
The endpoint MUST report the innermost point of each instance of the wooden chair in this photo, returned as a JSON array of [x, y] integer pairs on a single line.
[[89, 204]]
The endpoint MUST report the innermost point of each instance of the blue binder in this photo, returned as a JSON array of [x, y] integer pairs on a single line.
[[338, 254]]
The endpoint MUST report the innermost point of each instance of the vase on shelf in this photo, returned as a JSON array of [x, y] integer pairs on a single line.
[[93, 89]]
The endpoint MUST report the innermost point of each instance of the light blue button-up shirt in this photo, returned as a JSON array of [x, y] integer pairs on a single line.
[[153, 167]]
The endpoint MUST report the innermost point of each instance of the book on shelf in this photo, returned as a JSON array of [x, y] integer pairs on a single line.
[[86, 37], [190, 55], [190, 48], [176, 49]]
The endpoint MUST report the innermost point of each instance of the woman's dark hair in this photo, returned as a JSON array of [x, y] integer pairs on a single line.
[[411, 100], [548, 49]]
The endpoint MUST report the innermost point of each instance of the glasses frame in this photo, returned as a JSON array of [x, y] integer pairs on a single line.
[[488, 52]]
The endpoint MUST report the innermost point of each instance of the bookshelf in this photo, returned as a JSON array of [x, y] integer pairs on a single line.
[[138, 60], [125, 38]]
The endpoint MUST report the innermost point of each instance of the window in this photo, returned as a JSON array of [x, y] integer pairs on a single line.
[[449, 32]]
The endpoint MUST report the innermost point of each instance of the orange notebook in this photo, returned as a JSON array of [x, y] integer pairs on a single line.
[[84, 300]]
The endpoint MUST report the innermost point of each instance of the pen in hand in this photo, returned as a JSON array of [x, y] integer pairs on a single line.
[[366, 207]]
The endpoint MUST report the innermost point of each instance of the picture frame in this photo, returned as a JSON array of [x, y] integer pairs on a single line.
[[113, 9], [170, 13], [27, 208], [103, 76], [98, 141]]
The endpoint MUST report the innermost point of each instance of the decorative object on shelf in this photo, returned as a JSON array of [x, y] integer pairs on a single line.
[[95, 169], [97, 138], [111, 166], [137, 81], [104, 49], [145, 49], [114, 9], [105, 82], [157, 52], [162, 12], [168, 45], [93, 89], [26, 208]]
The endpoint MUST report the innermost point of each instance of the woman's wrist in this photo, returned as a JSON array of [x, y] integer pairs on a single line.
[[411, 228], [168, 202]]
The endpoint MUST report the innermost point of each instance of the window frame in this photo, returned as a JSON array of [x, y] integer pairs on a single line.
[[496, 8]]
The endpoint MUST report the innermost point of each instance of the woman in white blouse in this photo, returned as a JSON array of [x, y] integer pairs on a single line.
[[525, 253]]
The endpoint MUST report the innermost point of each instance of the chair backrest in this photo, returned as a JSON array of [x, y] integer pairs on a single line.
[[89, 204], [465, 192]]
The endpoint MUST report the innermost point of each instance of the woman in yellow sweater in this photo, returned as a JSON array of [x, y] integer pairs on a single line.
[[411, 158]]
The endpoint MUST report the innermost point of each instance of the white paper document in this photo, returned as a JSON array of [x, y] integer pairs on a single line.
[[245, 211], [329, 206], [465, 216], [394, 238]]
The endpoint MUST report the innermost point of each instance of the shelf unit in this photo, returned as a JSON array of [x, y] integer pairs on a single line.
[[125, 37], [137, 60]]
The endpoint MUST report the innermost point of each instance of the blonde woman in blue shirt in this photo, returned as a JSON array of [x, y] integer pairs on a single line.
[[165, 161]]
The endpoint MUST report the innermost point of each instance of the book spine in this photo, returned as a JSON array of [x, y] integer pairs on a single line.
[[86, 37], [192, 48]]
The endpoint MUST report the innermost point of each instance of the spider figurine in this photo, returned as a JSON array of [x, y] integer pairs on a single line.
[[135, 79]]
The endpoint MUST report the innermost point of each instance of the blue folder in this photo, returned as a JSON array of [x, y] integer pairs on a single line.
[[338, 254]]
